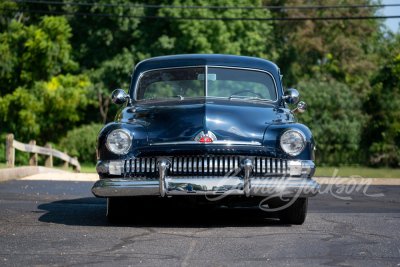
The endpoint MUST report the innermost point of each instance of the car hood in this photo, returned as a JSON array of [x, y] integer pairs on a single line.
[[172, 121]]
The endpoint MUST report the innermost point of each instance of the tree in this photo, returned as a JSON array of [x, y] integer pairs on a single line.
[[35, 52], [37, 101], [341, 48], [238, 37], [107, 48], [335, 118], [47, 110], [381, 135]]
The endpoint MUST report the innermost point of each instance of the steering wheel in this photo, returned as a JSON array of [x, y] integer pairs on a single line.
[[247, 91]]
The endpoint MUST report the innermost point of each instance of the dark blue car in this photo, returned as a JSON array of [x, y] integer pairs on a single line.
[[207, 127]]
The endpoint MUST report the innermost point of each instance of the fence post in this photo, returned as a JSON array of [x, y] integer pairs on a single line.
[[49, 159], [33, 156], [65, 163], [76, 168], [10, 151]]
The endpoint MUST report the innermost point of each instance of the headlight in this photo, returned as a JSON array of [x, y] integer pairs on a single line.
[[119, 141], [293, 142]]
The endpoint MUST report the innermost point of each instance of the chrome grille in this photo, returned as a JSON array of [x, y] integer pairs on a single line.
[[204, 166]]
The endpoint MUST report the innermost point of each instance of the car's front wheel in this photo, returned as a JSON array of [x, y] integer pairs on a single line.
[[295, 213], [116, 208]]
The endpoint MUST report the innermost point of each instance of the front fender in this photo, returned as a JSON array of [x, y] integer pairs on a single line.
[[272, 139], [139, 134]]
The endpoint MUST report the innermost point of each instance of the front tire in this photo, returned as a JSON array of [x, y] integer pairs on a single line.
[[295, 213], [116, 208]]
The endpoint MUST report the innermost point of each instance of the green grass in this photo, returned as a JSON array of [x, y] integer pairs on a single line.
[[358, 171], [88, 169], [84, 168]]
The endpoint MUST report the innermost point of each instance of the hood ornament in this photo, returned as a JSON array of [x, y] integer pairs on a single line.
[[208, 137]]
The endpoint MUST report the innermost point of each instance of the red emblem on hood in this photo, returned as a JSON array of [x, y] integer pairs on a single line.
[[205, 139]]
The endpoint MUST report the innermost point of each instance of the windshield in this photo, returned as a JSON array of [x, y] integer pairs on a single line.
[[221, 82]]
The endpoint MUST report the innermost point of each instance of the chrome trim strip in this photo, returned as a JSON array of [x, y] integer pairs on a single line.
[[184, 164], [163, 165], [220, 165], [180, 164], [228, 143], [200, 165], [143, 166], [137, 170], [190, 167], [263, 165], [195, 165], [206, 78], [267, 72], [206, 81], [279, 166], [248, 167], [175, 165]]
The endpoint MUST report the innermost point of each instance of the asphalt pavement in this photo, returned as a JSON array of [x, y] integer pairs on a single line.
[[60, 223]]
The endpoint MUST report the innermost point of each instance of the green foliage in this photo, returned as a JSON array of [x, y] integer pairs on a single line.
[[334, 116], [3, 147], [81, 142], [208, 36], [382, 132], [57, 73], [37, 101], [35, 52], [341, 48], [46, 111]]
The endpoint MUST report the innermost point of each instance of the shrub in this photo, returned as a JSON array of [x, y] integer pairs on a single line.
[[81, 142], [335, 118]]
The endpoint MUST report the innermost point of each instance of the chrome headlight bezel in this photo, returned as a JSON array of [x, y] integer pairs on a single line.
[[125, 133], [303, 141]]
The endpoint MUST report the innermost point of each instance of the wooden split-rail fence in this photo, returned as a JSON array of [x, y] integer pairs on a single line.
[[34, 150]]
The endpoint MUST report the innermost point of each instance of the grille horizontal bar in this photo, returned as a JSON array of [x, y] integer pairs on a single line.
[[204, 166]]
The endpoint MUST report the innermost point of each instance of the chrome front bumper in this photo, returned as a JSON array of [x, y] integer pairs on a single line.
[[297, 184], [207, 186]]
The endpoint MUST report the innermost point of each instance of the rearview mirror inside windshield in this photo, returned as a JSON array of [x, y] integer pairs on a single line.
[[210, 77]]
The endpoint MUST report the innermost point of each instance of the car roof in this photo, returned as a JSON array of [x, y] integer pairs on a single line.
[[206, 59]]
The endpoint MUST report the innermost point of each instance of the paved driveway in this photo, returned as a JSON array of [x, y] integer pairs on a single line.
[[53, 223]]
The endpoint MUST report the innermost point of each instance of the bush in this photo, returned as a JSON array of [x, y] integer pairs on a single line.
[[335, 118], [81, 142]]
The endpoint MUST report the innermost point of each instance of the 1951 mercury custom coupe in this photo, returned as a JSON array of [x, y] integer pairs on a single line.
[[207, 128]]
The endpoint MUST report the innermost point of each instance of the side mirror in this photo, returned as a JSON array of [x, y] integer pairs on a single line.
[[119, 97], [291, 96], [301, 107]]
